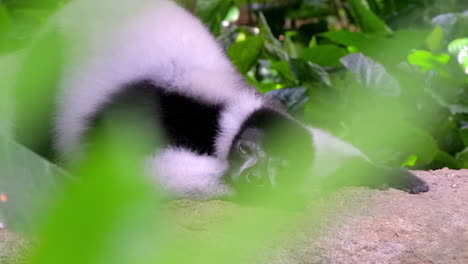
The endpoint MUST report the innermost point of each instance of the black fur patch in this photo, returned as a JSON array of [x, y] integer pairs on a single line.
[[185, 121]]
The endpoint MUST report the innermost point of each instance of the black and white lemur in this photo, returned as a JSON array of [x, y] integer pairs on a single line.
[[220, 133]]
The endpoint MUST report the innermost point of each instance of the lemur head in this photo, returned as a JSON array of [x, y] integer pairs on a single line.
[[268, 150]]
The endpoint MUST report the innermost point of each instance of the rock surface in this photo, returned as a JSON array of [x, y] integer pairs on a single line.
[[353, 225]]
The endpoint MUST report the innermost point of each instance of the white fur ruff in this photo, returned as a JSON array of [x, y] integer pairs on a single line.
[[160, 42], [187, 174]]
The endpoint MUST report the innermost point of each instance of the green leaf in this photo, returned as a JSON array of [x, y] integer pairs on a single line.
[[426, 60], [36, 87], [462, 158], [272, 45], [367, 20], [244, 54], [435, 39], [283, 69], [275, 50], [30, 182], [410, 161], [212, 12], [293, 98], [392, 139], [324, 55], [448, 160], [308, 72], [372, 75], [290, 46], [233, 14]]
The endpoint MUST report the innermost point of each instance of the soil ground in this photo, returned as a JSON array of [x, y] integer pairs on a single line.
[[363, 226]]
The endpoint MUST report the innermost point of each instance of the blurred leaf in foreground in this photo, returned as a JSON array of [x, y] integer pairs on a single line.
[[4, 20], [110, 215], [30, 183], [426, 60], [435, 39], [371, 75]]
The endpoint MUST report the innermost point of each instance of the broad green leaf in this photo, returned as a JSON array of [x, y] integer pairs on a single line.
[[426, 60], [233, 14], [371, 75], [30, 182], [308, 72], [23, 24], [244, 54], [293, 98], [283, 69], [392, 139], [367, 20], [36, 88], [410, 161], [323, 55], [111, 216], [435, 39]]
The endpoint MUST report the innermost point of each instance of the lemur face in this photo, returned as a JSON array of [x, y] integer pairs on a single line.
[[265, 158]]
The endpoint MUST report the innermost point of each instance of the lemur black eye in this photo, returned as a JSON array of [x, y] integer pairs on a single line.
[[245, 148]]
